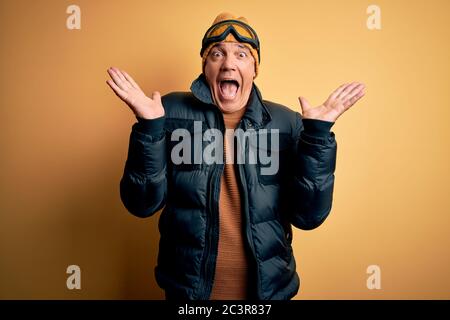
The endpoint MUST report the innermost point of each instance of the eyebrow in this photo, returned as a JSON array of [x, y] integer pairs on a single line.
[[220, 45]]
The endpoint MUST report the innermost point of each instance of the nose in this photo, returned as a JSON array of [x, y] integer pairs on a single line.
[[228, 63]]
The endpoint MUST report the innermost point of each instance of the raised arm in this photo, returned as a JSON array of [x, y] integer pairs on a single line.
[[143, 186], [315, 156]]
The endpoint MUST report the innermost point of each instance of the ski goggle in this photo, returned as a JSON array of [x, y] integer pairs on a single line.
[[240, 30]]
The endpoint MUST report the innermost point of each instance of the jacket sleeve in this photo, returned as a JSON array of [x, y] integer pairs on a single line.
[[314, 165], [143, 186]]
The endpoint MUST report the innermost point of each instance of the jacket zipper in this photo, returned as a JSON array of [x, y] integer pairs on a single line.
[[209, 266], [212, 231], [247, 225]]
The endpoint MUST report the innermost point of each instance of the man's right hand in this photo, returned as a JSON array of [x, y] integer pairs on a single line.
[[128, 90]]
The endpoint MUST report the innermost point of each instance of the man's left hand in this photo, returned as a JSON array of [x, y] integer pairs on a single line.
[[337, 103]]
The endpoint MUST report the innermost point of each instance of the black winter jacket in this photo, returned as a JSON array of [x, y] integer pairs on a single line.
[[299, 194]]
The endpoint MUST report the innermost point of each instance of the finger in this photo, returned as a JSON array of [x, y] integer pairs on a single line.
[[347, 90], [118, 81], [131, 80], [338, 90], [354, 99], [156, 96], [119, 92], [122, 78], [304, 104], [119, 73], [354, 92]]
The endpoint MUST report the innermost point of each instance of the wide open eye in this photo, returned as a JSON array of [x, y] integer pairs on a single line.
[[216, 53]]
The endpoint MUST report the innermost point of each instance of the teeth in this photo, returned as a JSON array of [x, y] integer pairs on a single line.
[[230, 80]]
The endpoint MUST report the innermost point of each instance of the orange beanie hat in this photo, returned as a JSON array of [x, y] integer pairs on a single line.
[[230, 38]]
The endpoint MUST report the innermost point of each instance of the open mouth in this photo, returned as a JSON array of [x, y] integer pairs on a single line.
[[228, 88]]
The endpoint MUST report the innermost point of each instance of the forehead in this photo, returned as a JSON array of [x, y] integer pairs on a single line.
[[230, 45]]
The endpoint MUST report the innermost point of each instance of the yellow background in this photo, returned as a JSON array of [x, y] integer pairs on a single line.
[[64, 139]]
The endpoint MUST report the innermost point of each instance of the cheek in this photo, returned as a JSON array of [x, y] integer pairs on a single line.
[[248, 73], [207, 69], [211, 68], [209, 76], [247, 83], [248, 69]]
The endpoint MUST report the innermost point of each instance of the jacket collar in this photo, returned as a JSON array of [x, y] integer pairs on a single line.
[[256, 111]]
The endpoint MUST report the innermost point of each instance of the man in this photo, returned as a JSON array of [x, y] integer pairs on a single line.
[[226, 225]]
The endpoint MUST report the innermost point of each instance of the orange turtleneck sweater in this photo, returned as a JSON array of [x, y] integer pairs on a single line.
[[230, 280]]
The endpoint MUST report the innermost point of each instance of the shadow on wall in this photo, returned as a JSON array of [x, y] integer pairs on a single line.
[[61, 204], [116, 251], [68, 212], [138, 238], [120, 249]]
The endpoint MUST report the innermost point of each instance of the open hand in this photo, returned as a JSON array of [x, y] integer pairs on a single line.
[[128, 90], [337, 103]]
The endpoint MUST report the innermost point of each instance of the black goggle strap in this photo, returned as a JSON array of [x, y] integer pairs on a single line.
[[254, 42], [236, 34], [231, 22]]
